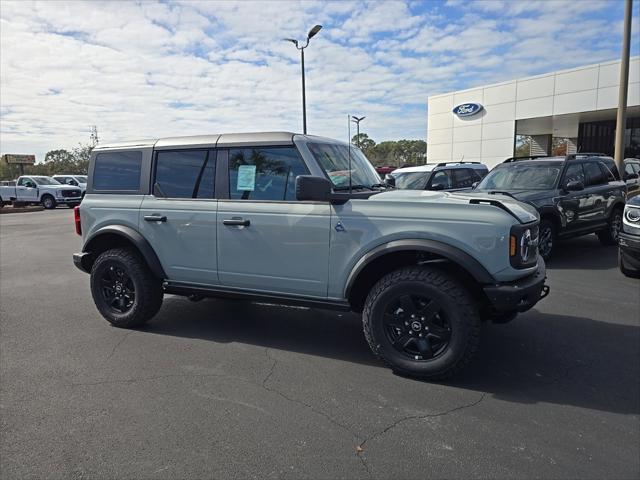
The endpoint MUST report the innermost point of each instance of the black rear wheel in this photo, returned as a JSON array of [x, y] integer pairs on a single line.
[[48, 202], [422, 323], [547, 239], [614, 225], [123, 288]]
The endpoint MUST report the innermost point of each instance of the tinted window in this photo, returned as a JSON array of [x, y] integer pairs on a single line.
[[184, 174], [574, 173], [522, 176], [593, 173], [441, 178], [628, 168], [264, 173], [463, 178], [410, 180], [117, 171]]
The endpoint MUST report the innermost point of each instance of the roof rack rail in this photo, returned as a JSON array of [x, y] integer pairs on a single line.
[[444, 164], [527, 157], [585, 154]]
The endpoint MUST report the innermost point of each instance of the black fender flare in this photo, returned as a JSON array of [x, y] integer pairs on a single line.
[[453, 254], [133, 236]]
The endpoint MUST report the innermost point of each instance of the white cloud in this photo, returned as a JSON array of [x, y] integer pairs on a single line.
[[156, 69]]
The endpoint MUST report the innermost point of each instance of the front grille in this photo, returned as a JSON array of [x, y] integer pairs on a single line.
[[70, 193]]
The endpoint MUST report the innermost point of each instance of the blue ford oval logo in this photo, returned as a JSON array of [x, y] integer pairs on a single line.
[[467, 109]]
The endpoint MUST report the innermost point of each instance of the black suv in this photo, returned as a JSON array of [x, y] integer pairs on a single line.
[[575, 195]]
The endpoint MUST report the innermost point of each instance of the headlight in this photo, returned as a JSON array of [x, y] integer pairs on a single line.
[[523, 246], [632, 215], [58, 193]]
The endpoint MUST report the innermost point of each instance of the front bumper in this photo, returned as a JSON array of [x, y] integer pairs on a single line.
[[521, 295], [80, 261], [630, 250], [68, 199]]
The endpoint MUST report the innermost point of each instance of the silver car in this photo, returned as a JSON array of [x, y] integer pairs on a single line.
[[304, 220]]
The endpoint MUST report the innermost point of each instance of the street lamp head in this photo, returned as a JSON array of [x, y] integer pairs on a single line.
[[313, 31], [295, 42]]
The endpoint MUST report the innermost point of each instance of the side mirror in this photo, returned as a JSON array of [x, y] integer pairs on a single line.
[[390, 180], [437, 187], [474, 185], [313, 188], [574, 186]]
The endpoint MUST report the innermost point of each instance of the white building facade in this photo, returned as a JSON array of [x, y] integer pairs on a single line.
[[555, 113]]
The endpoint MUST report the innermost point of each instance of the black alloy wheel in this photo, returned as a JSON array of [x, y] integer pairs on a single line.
[[546, 240], [117, 289], [417, 326]]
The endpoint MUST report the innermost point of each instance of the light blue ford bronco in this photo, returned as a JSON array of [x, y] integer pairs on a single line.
[[305, 220]]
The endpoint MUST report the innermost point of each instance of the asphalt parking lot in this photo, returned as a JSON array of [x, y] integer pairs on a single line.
[[224, 389]]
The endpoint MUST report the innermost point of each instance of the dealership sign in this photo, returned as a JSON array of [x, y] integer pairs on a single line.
[[467, 109], [19, 159]]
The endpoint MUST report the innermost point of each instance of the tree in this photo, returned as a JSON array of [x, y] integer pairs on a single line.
[[366, 144]]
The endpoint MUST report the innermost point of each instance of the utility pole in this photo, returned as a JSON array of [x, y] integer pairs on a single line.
[[311, 34], [621, 121], [357, 121]]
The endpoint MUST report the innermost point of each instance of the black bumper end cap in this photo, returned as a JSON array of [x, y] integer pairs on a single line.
[[79, 260]]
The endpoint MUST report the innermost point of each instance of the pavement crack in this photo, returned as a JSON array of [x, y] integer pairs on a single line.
[[419, 417], [156, 377], [271, 370], [115, 347]]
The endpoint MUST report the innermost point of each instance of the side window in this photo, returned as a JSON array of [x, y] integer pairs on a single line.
[[628, 168], [593, 173], [24, 181], [117, 171], [463, 178], [574, 173], [184, 174], [264, 173], [636, 168], [441, 180], [606, 173]]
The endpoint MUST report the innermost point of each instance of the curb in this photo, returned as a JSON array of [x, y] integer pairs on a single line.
[[21, 209]]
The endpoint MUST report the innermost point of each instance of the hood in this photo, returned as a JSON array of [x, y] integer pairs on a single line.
[[521, 211], [635, 201], [60, 187]]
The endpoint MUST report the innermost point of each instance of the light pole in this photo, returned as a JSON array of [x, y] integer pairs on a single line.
[[357, 121], [311, 33], [622, 91]]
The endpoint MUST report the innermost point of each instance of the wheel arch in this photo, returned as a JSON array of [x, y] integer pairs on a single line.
[[401, 253], [113, 236]]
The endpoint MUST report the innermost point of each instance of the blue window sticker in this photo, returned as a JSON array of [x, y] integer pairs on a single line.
[[246, 178]]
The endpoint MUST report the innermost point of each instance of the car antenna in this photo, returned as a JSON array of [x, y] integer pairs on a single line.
[[349, 144]]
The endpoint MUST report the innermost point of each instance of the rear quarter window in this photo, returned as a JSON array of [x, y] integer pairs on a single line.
[[117, 171]]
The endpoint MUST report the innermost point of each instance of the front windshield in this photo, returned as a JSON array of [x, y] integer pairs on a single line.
[[527, 176], [334, 159], [410, 180], [81, 178], [46, 181]]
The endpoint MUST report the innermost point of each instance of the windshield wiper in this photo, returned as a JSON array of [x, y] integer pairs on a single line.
[[501, 192], [353, 187], [381, 185]]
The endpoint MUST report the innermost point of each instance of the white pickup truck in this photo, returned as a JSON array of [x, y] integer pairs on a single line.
[[30, 189]]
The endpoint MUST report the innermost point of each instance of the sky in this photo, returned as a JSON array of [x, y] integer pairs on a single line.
[[153, 69]]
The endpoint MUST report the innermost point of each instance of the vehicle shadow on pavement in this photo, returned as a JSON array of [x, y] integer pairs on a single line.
[[536, 358], [583, 253]]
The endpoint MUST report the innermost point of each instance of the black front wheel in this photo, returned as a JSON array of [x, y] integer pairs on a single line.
[[124, 290], [422, 323]]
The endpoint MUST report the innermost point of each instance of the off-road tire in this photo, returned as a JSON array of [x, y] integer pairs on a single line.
[[607, 236], [628, 272], [544, 226], [460, 309], [148, 288], [48, 202]]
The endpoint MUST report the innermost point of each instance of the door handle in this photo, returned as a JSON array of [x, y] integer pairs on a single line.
[[239, 222], [155, 218]]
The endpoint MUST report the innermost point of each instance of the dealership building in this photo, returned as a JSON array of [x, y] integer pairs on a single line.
[[562, 112]]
